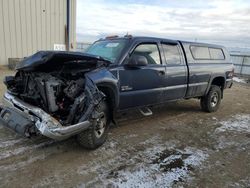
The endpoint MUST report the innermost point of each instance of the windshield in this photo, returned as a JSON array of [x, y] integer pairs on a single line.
[[110, 50]]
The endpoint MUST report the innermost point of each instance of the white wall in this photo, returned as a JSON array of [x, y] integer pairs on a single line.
[[27, 26]]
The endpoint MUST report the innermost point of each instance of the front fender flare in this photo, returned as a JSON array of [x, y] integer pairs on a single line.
[[104, 78]]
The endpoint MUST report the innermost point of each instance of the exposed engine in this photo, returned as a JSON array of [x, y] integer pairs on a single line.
[[61, 94], [55, 94]]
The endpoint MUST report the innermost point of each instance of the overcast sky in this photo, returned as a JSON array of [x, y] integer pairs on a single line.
[[226, 22]]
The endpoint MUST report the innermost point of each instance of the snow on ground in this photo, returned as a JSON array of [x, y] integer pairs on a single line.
[[157, 165], [161, 166], [229, 133], [240, 123], [163, 169], [239, 80]]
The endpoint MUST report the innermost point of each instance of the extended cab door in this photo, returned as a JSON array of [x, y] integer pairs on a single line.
[[176, 71], [142, 85]]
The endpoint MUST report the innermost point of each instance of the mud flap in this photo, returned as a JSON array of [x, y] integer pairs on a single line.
[[16, 121]]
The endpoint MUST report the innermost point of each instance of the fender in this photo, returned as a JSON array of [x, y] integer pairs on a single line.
[[213, 76], [102, 77]]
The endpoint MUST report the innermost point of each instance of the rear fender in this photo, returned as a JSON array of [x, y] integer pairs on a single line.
[[213, 77]]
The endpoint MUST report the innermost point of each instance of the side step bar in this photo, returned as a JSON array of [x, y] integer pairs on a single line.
[[145, 111]]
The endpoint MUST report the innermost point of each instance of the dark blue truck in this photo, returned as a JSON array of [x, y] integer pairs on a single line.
[[64, 94]]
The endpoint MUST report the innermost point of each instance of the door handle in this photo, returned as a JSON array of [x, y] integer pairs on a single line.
[[161, 73]]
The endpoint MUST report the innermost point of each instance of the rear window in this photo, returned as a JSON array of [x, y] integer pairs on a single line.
[[216, 53], [207, 53]]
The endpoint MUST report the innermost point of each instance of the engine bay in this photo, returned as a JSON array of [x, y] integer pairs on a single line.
[[60, 93]]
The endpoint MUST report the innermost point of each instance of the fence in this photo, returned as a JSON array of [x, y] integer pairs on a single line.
[[241, 64]]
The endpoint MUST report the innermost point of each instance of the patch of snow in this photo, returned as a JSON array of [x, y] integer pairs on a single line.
[[224, 142], [150, 163], [239, 80], [164, 173], [196, 157], [239, 123]]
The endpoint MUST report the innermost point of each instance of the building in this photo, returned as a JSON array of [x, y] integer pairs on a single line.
[[27, 26]]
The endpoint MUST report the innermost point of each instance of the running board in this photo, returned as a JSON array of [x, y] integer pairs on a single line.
[[145, 111]]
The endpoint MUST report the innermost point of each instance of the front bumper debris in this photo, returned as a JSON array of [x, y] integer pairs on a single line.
[[23, 118]]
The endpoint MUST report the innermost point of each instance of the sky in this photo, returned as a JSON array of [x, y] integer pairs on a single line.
[[225, 22]]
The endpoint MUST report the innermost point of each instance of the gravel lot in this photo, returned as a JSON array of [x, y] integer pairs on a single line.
[[178, 146]]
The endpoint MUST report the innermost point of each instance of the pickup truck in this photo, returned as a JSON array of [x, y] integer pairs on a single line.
[[64, 94]]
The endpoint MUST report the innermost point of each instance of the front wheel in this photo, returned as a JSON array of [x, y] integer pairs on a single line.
[[211, 102], [97, 134]]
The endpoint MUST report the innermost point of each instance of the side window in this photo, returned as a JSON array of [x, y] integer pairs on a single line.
[[172, 54], [216, 53], [207, 53], [200, 52], [149, 51]]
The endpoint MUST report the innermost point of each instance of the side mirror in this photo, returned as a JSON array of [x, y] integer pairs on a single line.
[[137, 60]]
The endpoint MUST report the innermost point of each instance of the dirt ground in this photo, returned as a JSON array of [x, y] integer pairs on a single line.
[[178, 146]]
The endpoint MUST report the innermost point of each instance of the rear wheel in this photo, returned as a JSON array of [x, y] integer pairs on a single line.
[[97, 134], [211, 102]]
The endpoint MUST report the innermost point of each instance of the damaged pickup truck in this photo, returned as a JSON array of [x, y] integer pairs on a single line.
[[64, 94]]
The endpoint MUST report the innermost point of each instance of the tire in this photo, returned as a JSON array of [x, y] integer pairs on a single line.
[[94, 137], [211, 102]]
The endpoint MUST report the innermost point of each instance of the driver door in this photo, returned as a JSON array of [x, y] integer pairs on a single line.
[[142, 85]]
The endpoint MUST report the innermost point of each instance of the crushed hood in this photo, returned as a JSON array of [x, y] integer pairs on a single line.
[[47, 60]]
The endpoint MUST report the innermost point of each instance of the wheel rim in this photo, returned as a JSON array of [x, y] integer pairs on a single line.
[[214, 99], [100, 126]]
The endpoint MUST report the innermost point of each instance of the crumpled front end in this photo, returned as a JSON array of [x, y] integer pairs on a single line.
[[52, 94], [28, 120]]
